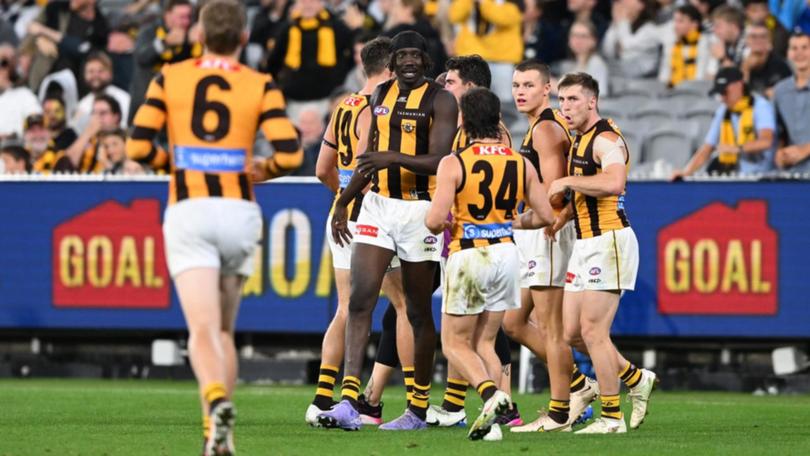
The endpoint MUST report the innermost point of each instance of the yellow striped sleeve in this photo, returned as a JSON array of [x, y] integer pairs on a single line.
[[277, 128], [149, 120]]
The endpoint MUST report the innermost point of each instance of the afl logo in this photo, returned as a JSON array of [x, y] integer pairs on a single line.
[[430, 240], [381, 111], [532, 264], [595, 271]]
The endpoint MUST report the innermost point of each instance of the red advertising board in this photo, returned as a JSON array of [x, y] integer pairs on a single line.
[[719, 260], [111, 256]]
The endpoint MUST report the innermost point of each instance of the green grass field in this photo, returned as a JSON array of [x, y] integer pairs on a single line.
[[77, 417]]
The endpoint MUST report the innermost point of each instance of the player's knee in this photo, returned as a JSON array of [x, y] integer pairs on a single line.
[[571, 335], [592, 334], [417, 317]]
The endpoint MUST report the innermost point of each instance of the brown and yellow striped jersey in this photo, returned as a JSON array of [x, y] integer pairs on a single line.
[[347, 137], [528, 149], [461, 140], [493, 182], [212, 107], [594, 216], [401, 122]]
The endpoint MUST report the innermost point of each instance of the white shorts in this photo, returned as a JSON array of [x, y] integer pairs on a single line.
[[482, 279], [217, 233], [543, 263], [399, 226], [605, 262], [342, 255]]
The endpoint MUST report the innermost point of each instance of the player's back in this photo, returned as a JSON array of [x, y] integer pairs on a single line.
[[493, 182], [213, 109]]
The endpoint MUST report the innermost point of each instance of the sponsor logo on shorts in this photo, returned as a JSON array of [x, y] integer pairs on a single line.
[[430, 240], [532, 264], [367, 230], [430, 249], [381, 111], [595, 271], [488, 231], [595, 281], [569, 277]]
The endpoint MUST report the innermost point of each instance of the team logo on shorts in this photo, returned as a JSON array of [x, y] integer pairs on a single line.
[[367, 230], [381, 111], [595, 271], [430, 240], [532, 264]]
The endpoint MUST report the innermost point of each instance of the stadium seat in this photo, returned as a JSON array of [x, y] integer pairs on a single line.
[[670, 145], [652, 87], [699, 86], [653, 114]]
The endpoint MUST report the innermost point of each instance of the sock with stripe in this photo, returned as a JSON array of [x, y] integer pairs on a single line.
[[407, 374], [214, 393], [206, 426], [455, 394], [350, 389], [558, 410], [611, 407], [419, 401], [326, 386], [486, 389], [630, 375], [577, 380]]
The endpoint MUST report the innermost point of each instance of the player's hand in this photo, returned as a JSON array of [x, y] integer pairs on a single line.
[[259, 171], [551, 230], [340, 225], [369, 163], [557, 187]]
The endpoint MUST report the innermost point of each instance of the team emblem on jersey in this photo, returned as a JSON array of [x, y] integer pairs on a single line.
[[381, 111], [408, 128], [353, 101]]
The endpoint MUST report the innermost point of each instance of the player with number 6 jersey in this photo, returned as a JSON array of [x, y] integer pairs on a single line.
[[212, 107]]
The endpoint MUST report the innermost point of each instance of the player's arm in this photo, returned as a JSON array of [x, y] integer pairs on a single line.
[[448, 178], [326, 166], [442, 132], [552, 143], [149, 120], [609, 150], [277, 128], [540, 214]]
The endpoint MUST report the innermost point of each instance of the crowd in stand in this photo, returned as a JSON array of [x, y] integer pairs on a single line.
[[73, 72]]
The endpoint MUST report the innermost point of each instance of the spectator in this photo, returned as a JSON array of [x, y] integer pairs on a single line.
[[757, 12], [165, 41], [792, 103], [53, 109], [112, 151], [631, 42], [84, 152], [762, 67], [16, 101], [793, 14], [586, 9], [706, 8], [583, 45], [63, 35], [665, 11], [98, 77], [45, 156], [741, 133], [687, 54], [728, 25], [543, 38], [16, 159], [310, 123], [408, 15], [490, 29], [266, 23], [311, 56]]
